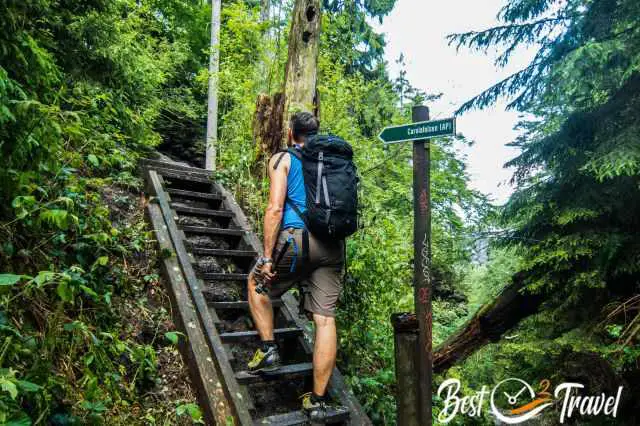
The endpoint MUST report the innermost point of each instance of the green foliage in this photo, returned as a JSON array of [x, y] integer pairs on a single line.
[[86, 89], [81, 88], [242, 77], [357, 100], [573, 218], [192, 410], [573, 215], [356, 105], [173, 336], [483, 282]]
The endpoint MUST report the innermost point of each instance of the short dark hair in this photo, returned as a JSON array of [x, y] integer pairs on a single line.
[[303, 124]]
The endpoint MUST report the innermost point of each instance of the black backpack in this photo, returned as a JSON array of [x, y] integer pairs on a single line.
[[331, 186]]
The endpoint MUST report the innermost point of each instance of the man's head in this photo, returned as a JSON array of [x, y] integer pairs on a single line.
[[301, 125]]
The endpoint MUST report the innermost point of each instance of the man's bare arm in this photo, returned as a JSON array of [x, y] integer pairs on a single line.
[[277, 197]]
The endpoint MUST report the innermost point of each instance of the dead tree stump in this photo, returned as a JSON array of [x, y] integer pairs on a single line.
[[299, 89]]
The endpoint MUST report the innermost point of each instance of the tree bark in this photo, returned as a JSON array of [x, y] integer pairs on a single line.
[[265, 8], [267, 129], [301, 73], [212, 105], [488, 325], [299, 91]]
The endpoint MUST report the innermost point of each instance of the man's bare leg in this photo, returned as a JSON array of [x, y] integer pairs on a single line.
[[324, 352], [261, 310]]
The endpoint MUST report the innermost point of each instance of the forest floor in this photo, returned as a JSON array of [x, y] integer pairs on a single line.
[[145, 318]]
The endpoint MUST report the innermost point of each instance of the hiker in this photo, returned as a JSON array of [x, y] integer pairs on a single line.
[[293, 254]]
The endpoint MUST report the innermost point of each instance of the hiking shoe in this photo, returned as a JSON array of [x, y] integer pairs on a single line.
[[319, 410], [265, 362]]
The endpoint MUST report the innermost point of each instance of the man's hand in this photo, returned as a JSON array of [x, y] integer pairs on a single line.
[[267, 272], [263, 274]]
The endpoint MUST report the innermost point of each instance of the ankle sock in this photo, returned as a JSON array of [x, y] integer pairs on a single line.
[[267, 344], [317, 398]]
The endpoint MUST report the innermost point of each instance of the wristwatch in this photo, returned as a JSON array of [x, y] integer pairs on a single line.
[[264, 260]]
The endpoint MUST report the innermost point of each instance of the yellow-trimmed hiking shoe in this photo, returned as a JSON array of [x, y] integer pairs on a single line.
[[265, 362], [319, 410]]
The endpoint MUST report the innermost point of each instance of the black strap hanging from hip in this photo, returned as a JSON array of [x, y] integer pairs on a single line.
[[281, 253], [298, 212], [305, 246]]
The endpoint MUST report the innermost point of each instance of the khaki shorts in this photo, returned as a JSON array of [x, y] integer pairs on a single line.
[[320, 277]]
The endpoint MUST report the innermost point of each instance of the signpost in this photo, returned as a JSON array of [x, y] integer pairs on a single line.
[[419, 132]]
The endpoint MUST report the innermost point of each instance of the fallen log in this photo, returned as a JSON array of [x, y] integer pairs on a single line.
[[488, 325]]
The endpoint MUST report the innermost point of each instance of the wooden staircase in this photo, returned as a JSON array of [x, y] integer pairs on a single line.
[[208, 250]]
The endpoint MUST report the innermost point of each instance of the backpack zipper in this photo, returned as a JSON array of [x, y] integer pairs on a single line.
[[319, 179]]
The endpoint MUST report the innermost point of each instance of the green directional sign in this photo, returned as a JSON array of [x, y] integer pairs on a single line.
[[417, 131]]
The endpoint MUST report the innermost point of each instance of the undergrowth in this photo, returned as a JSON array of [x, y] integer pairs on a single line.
[[84, 324]]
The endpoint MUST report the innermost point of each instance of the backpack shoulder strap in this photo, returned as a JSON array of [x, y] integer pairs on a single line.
[[282, 153], [291, 151], [295, 153]]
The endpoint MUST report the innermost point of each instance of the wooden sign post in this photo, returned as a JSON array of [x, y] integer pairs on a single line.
[[419, 132], [422, 264]]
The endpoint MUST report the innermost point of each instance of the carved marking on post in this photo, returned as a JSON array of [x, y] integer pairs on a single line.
[[429, 322], [424, 201], [426, 260], [424, 295]]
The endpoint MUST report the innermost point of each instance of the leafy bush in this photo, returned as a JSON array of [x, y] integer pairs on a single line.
[[81, 87]]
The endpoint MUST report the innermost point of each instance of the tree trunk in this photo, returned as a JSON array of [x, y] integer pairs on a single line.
[[301, 74], [488, 325], [267, 129], [265, 8], [212, 105], [299, 90]]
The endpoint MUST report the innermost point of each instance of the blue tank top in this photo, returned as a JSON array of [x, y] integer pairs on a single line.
[[295, 194]]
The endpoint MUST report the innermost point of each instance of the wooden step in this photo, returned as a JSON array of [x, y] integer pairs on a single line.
[[221, 276], [293, 418], [185, 176], [246, 396], [240, 305], [223, 252], [168, 168], [191, 185], [229, 352], [205, 230], [151, 164], [288, 371], [243, 336], [299, 418], [198, 211], [195, 195]]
